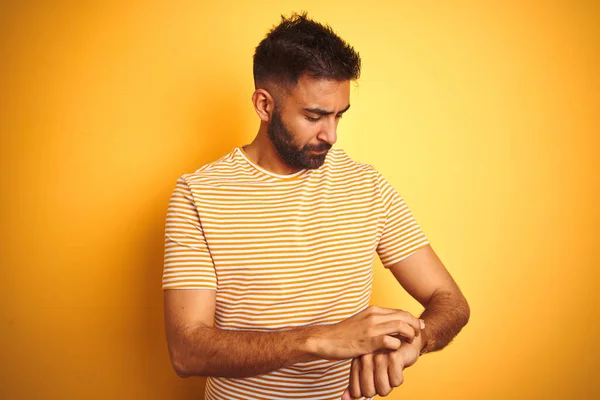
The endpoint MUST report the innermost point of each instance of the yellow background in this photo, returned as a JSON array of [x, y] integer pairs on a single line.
[[483, 115]]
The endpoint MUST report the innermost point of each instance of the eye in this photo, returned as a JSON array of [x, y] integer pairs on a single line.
[[339, 116], [313, 119]]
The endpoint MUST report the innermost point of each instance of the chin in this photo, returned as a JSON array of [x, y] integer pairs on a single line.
[[316, 163]]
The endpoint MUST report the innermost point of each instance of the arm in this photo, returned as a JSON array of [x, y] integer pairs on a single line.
[[425, 278], [197, 347], [420, 272]]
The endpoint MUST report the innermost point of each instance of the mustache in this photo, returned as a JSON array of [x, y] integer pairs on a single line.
[[321, 148]]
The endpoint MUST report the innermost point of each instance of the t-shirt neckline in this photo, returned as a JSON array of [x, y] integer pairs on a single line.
[[267, 172]]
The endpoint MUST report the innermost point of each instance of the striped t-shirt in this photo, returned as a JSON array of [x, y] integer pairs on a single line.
[[285, 251]]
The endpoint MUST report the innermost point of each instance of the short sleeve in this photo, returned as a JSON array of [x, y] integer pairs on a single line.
[[402, 235], [187, 260]]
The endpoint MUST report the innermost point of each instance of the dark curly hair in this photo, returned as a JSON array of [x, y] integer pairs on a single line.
[[299, 46]]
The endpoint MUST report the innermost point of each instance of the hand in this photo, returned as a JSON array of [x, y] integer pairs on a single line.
[[381, 371], [372, 329]]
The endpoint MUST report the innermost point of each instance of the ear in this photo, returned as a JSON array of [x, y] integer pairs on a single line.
[[263, 104]]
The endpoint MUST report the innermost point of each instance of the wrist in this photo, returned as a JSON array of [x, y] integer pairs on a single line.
[[312, 343], [427, 342]]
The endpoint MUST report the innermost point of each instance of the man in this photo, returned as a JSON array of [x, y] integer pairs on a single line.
[[274, 244]]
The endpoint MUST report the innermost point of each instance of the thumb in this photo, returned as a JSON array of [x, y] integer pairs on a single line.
[[346, 395]]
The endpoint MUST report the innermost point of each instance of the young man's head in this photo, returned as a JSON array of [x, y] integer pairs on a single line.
[[302, 75]]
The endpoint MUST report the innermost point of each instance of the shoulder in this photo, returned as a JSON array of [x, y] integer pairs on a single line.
[[213, 172], [341, 162]]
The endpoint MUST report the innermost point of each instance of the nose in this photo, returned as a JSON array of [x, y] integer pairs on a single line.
[[328, 131]]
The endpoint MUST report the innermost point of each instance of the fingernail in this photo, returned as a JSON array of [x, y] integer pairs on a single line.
[[422, 324]]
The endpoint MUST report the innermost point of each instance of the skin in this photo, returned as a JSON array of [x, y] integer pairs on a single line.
[[294, 125], [425, 278], [381, 341]]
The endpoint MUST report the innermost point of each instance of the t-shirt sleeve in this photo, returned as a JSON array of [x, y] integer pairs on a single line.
[[402, 235], [187, 260]]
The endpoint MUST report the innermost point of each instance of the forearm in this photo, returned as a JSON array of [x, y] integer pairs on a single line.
[[209, 351], [445, 315]]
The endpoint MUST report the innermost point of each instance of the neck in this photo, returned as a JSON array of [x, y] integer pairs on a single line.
[[262, 152]]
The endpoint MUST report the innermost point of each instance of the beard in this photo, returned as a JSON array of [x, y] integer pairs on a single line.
[[283, 140]]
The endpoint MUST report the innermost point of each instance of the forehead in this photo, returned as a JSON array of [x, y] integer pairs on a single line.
[[325, 93]]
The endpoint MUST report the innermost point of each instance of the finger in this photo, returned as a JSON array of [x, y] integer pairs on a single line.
[[395, 367], [382, 381], [414, 322], [387, 342], [346, 395], [383, 310], [367, 382], [400, 316], [355, 379], [397, 328]]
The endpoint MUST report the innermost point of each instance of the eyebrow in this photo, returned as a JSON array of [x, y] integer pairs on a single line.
[[320, 111]]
